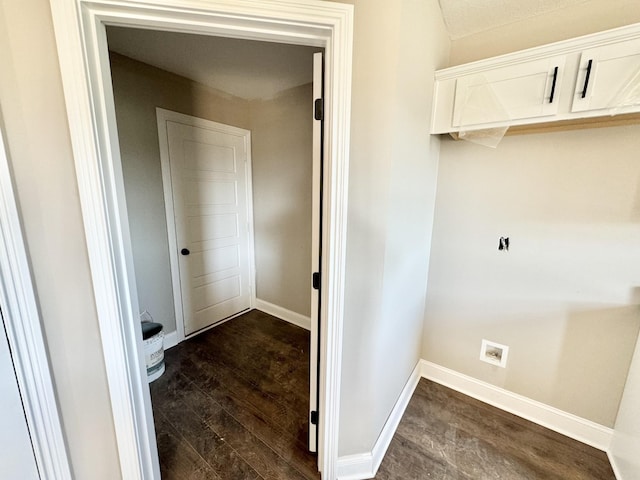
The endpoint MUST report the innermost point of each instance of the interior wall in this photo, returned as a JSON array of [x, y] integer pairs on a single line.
[[40, 155], [587, 17], [393, 168], [138, 90], [282, 146], [568, 202], [563, 298], [281, 160]]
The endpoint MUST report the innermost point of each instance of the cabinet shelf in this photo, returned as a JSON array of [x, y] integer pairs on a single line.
[[578, 83]]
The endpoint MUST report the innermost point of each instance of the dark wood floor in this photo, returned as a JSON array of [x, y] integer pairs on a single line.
[[445, 435], [233, 402], [232, 405]]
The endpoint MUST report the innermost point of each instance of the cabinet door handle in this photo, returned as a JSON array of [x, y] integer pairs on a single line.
[[586, 79], [553, 85]]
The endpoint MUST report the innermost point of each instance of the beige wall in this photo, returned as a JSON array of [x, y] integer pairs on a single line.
[[281, 147], [281, 157], [138, 90], [393, 164], [39, 148], [397, 47], [563, 298], [568, 201], [588, 17]]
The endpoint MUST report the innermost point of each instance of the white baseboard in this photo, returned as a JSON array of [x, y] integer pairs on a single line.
[[572, 426], [170, 340], [355, 467], [365, 465], [614, 466], [284, 314]]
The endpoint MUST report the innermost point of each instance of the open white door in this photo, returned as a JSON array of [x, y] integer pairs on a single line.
[[316, 246]]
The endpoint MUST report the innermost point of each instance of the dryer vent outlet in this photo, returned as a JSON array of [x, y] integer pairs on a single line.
[[494, 353]]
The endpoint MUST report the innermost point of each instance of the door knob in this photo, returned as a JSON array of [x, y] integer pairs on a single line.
[[185, 251]]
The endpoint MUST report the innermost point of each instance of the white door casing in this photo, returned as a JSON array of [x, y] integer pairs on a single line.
[[206, 169], [83, 55]]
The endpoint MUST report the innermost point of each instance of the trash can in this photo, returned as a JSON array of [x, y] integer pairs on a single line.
[[153, 339]]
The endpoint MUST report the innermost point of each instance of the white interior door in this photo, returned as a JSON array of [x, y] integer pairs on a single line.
[[16, 452], [316, 248], [211, 200]]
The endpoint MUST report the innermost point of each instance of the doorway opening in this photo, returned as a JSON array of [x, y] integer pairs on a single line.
[[237, 230], [80, 28]]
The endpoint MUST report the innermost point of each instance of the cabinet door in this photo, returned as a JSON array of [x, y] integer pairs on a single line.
[[608, 76], [525, 90]]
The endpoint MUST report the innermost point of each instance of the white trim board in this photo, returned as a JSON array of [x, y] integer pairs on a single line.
[[283, 314], [170, 340], [614, 466], [572, 426], [365, 465], [80, 30]]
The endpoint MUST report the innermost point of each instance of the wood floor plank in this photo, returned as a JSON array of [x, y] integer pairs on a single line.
[[411, 462], [214, 391], [450, 436], [226, 385], [178, 459], [272, 371], [256, 452], [546, 451], [212, 447], [271, 329], [288, 360]]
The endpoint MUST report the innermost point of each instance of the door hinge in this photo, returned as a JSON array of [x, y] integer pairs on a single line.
[[318, 110], [316, 280], [314, 417]]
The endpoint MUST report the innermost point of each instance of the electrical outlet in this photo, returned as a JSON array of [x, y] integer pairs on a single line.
[[494, 353]]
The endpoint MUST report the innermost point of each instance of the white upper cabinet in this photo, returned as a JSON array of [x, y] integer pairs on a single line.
[[526, 90], [608, 77], [592, 76]]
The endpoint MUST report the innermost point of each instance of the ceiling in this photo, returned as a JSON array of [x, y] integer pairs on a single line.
[[260, 70], [466, 17], [244, 68]]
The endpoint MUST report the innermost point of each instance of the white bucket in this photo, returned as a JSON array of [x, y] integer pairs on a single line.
[[154, 356]]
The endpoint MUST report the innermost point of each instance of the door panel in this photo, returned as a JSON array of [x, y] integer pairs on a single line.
[[316, 235], [214, 227], [210, 202], [509, 93], [612, 79]]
